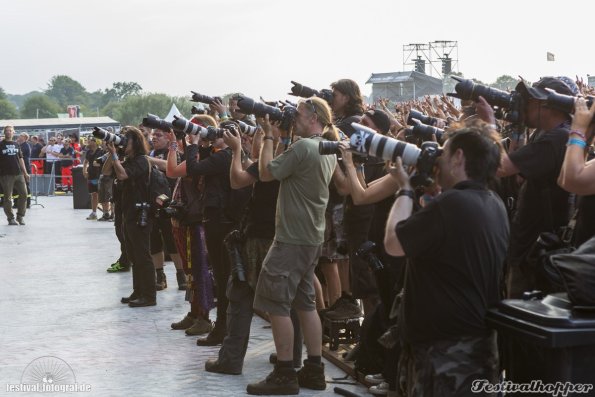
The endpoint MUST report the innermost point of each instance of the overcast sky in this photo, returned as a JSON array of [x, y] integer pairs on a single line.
[[258, 46]]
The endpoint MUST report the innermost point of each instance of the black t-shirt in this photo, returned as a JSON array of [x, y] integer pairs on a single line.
[[539, 163], [262, 208], [215, 169], [26, 150], [135, 188], [585, 227], [93, 170], [162, 155], [67, 152], [10, 153], [456, 247]]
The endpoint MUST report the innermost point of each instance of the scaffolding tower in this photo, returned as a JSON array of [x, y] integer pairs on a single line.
[[438, 58]]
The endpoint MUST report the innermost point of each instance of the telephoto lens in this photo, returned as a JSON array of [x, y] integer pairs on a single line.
[[208, 133], [307, 92], [565, 103], [467, 89], [152, 121], [367, 141], [424, 132], [424, 119], [196, 97], [285, 116], [108, 137], [247, 129], [329, 147]]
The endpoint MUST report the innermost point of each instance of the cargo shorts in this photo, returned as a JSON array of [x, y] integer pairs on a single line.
[[287, 279]]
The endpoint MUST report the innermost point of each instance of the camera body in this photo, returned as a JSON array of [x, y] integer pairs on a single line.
[[565, 103], [233, 245], [169, 208], [108, 137], [423, 132], [286, 115], [367, 253], [143, 213]]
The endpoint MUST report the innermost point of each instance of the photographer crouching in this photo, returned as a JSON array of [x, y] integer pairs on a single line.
[[456, 246], [137, 223]]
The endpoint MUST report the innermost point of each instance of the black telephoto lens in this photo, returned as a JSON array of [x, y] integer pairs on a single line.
[[250, 106], [565, 103], [196, 97], [328, 147], [152, 121], [467, 89], [247, 129], [424, 132], [424, 119]]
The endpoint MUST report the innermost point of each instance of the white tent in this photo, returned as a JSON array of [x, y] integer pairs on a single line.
[[172, 112]]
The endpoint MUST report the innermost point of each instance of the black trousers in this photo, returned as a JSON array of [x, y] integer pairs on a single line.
[[138, 247], [119, 225], [215, 232]]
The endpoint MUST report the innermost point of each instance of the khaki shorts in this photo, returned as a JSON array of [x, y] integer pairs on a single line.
[[287, 279]]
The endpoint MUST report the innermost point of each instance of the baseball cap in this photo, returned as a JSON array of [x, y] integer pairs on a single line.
[[380, 119], [538, 89]]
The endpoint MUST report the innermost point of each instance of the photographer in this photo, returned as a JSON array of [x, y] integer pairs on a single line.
[[287, 276], [162, 235], [256, 235], [13, 175], [542, 205], [134, 174], [578, 176], [91, 171], [217, 224], [456, 246]]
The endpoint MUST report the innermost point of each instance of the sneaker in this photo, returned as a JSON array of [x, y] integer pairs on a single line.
[[374, 379], [311, 376], [280, 382], [186, 322], [20, 220], [379, 390], [347, 307], [200, 326], [12, 222], [117, 267], [92, 216]]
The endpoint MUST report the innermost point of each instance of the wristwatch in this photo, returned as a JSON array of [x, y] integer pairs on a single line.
[[406, 192]]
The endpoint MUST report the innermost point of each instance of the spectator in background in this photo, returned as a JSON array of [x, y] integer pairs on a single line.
[[13, 175], [91, 171], [51, 151], [36, 146], [23, 141], [65, 165]]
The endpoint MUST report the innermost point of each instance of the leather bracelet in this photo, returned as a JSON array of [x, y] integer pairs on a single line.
[[406, 192], [578, 133]]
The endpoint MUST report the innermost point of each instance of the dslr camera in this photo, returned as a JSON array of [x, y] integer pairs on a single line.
[[366, 141], [509, 104], [307, 92], [152, 121], [169, 208], [180, 124], [108, 137], [196, 97], [285, 115]]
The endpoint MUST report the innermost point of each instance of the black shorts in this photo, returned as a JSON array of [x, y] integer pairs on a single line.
[[93, 185], [161, 235]]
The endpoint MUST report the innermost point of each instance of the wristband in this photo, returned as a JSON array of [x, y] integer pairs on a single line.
[[406, 192], [268, 137], [576, 132], [173, 146], [223, 115], [286, 140], [577, 142]]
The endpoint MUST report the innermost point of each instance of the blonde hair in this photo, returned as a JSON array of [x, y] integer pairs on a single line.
[[205, 120], [322, 110]]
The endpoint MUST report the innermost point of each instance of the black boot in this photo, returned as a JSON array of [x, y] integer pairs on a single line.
[[282, 381], [161, 282], [181, 277]]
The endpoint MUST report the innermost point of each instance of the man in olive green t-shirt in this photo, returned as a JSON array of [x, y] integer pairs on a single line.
[[286, 278]]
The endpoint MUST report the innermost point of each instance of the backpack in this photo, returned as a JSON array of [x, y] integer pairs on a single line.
[[158, 184]]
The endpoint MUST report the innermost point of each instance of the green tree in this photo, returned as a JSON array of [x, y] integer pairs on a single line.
[[7, 110], [132, 109], [43, 104], [505, 82], [3, 94], [121, 90], [66, 91]]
